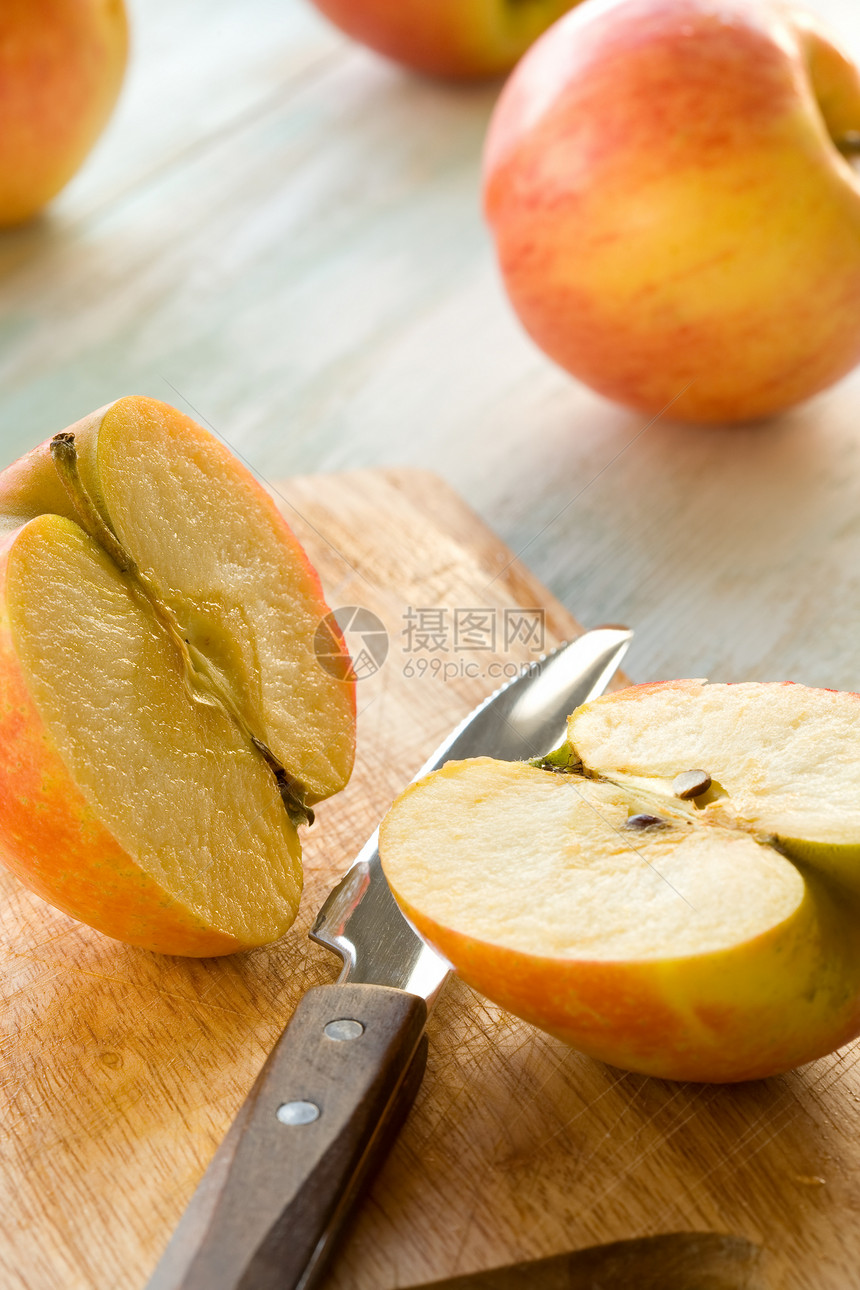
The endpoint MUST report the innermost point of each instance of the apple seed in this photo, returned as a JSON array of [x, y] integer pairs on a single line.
[[691, 783], [640, 822]]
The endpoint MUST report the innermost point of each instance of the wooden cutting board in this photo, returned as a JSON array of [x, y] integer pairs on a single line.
[[121, 1070]]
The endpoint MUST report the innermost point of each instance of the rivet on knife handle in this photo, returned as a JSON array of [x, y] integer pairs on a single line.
[[263, 1212]]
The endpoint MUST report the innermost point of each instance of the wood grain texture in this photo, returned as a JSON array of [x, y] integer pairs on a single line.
[[122, 1070]]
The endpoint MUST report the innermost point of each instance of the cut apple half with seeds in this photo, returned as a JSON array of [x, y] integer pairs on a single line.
[[166, 726], [675, 891]]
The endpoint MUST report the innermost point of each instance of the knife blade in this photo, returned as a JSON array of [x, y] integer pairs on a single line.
[[670, 1261], [341, 1078]]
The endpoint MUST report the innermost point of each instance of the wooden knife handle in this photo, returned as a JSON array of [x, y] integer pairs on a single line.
[[326, 1103]]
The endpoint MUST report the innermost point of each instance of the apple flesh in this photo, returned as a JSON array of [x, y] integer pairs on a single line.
[[675, 222], [449, 38], [711, 938], [164, 724], [61, 68]]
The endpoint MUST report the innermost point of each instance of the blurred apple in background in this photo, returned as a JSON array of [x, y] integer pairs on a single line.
[[61, 68], [674, 218], [458, 38]]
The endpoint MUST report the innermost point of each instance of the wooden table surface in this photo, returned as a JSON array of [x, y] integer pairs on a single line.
[[281, 234]]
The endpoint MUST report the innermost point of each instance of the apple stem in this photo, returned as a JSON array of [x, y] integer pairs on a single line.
[[199, 681], [561, 761]]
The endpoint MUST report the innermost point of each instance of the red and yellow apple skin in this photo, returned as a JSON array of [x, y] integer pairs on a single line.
[[61, 68], [52, 840], [461, 39], [782, 999], [674, 222]]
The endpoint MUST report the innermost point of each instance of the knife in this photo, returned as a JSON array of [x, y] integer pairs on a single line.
[[341, 1078], [670, 1261]]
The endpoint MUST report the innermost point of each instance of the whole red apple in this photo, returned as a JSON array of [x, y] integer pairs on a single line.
[[61, 67], [456, 38], [675, 221]]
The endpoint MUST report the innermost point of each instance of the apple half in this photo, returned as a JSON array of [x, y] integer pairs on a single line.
[[165, 726], [676, 890]]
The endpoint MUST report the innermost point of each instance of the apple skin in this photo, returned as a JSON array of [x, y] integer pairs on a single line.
[[782, 999], [53, 841], [674, 223], [460, 39], [61, 68]]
